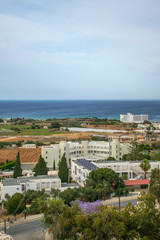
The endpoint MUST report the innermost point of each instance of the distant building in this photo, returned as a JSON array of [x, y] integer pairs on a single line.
[[130, 118], [29, 145]]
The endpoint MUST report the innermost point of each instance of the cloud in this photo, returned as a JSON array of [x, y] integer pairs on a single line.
[[98, 41]]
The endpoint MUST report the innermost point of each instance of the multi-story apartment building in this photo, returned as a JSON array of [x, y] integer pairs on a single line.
[[74, 149], [130, 118]]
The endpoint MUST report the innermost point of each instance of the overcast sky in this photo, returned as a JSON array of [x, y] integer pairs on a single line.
[[79, 49]]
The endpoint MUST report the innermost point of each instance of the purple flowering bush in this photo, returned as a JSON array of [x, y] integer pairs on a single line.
[[88, 207]]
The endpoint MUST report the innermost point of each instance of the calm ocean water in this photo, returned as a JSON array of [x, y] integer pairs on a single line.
[[43, 109]]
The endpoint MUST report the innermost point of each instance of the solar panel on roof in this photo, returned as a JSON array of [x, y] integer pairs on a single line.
[[85, 163]]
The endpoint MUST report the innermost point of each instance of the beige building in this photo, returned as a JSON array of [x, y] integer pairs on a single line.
[[29, 145], [101, 149]]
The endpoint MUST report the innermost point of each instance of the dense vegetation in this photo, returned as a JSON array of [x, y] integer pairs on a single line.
[[9, 144], [141, 151], [73, 223], [7, 166], [99, 185], [85, 220]]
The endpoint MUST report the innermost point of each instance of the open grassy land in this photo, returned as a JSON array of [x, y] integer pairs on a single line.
[[13, 130], [49, 127]]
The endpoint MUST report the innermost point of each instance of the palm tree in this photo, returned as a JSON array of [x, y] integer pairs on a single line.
[[145, 165]]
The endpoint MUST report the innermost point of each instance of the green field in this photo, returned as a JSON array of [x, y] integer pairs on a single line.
[[6, 130]]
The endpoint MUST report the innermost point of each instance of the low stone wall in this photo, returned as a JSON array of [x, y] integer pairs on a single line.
[[4, 236]]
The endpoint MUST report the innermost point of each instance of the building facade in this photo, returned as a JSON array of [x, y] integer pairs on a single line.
[[130, 118], [11, 186], [80, 168], [29, 145], [75, 149]]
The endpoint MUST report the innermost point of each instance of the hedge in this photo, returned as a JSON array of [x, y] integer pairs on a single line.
[[7, 165]]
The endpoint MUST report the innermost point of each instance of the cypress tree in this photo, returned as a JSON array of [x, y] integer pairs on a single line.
[[54, 165], [41, 167], [63, 169], [17, 169]]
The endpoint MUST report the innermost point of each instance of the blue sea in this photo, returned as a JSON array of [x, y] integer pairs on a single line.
[[44, 109]]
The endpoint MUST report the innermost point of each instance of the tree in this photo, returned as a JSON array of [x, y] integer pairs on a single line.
[[32, 195], [155, 156], [100, 176], [145, 165], [63, 172], [149, 131], [17, 169], [111, 159], [35, 207], [134, 152], [69, 195], [60, 219], [125, 157], [155, 177], [15, 204], [155, 183], [55, 125], [41, 168], [54, 165], [145, 217]]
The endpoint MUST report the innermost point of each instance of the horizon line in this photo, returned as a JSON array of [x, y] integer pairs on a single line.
[[125, 99]]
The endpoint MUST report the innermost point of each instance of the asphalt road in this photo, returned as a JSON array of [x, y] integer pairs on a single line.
[[26, 231], [124, 203]]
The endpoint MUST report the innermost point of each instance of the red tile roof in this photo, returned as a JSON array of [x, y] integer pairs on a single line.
[[136, 182]]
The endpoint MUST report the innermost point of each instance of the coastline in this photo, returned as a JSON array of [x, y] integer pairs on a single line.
[[60, 109]]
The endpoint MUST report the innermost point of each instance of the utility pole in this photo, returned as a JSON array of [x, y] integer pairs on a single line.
[[119, 194], [25, 211], [4, 225]]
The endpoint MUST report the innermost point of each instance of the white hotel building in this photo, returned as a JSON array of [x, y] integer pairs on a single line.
[[130, 118], [100, 149]]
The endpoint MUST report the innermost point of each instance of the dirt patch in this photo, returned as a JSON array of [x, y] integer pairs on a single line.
[[26, 155]]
